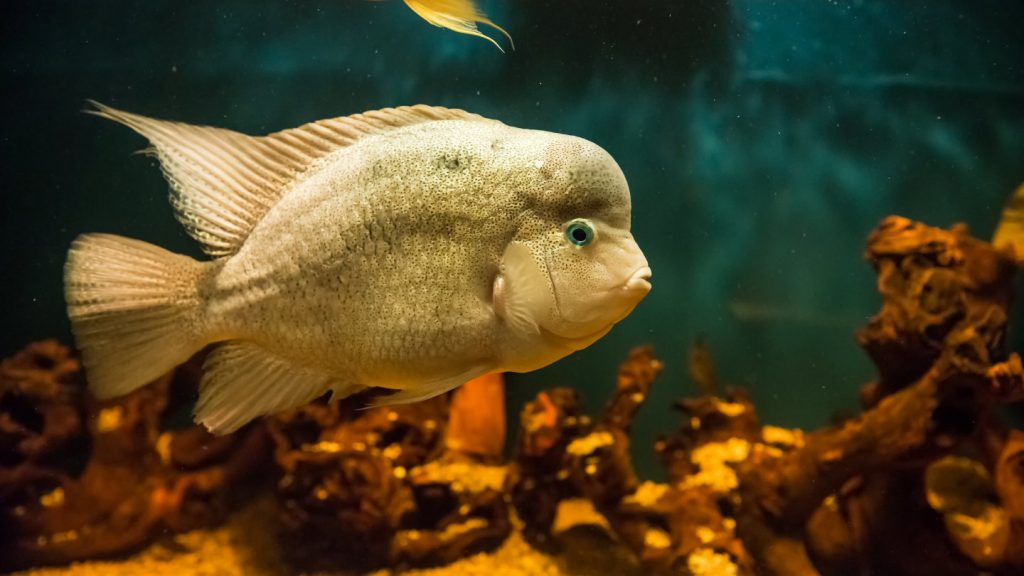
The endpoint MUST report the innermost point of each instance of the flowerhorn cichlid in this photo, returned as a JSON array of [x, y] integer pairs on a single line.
[[412, 248]]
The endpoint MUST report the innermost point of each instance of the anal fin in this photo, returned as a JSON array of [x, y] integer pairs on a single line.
[[243, 381]]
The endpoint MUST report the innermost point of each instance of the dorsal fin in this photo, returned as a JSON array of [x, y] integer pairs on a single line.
[[223, 182]]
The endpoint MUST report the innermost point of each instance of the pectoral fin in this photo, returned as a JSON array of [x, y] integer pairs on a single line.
[[521, 291]]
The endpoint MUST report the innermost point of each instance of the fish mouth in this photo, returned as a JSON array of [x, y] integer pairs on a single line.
[[639, 281]]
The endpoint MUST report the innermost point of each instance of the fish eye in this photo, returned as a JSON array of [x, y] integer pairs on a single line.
[[579, 232]]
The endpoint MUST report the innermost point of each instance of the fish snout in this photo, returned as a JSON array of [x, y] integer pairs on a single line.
[[639, 281]]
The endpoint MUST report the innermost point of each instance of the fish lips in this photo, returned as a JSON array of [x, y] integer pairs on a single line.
[[639, 281], [636, 288], [624, 297]]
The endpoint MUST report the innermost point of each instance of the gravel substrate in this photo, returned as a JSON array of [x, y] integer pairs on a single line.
[[245, 546]]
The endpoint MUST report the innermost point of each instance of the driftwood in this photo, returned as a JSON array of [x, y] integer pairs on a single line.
[[88, 479], [407, 485]]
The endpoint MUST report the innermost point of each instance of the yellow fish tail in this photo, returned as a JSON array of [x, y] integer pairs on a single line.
[[460, 16]]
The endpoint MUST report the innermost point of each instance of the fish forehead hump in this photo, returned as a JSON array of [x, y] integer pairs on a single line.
[[574, 177], [550, 172]]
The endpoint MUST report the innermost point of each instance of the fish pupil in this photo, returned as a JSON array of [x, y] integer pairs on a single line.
[[579, 233]]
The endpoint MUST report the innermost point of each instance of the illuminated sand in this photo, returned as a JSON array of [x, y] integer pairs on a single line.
[[246, 546]]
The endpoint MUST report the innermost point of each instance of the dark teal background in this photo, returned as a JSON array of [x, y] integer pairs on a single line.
[[762, 141]]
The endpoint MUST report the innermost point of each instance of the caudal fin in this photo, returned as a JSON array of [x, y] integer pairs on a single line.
[[133, 309]]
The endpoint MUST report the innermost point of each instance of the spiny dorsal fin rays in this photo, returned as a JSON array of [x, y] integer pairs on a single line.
[[459, 16], [1010, 230], [223, 182]]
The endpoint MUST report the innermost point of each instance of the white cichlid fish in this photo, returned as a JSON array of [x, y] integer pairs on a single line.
[[412, 248]]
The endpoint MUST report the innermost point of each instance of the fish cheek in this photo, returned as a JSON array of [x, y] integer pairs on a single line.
[[576, 275]]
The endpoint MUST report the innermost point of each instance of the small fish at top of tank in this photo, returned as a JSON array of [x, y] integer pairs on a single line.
[[460, 16], [410, 248]]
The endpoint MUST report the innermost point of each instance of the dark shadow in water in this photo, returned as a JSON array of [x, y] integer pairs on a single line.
[[667, 40]]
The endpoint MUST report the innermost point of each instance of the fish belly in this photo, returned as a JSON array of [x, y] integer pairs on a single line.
[[389, 315]]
